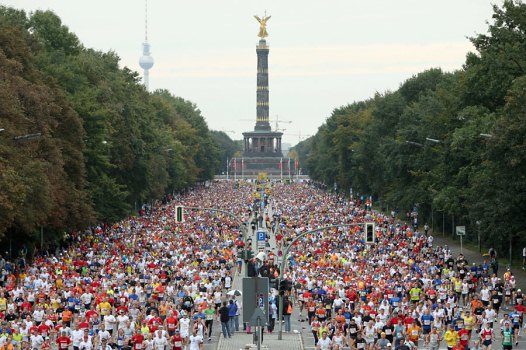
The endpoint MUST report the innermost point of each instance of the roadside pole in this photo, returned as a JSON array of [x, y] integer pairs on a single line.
[[461, 232]]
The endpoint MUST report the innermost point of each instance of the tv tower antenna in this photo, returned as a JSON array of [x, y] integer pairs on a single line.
[[146, 60]]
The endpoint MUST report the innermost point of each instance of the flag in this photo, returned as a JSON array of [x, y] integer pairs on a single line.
[[242, 163], [281, 163], [289, 164], [235, 164], [297, 164]]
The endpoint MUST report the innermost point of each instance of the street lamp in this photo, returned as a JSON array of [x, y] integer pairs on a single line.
[[414, 143], [478, 234], [486, 135], [27, 137], [433, 140]]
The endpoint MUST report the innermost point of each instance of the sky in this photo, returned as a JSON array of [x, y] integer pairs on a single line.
[[323, 54]]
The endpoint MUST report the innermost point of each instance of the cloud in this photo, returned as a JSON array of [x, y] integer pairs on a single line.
[[312, 61]]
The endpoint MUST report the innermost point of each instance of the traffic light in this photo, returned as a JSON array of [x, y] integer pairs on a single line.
[[274, 283], [284, 286], [369, 232], [179, 215]]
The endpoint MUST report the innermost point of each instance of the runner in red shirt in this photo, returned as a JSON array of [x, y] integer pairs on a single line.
[[137, 341], [44, 329], [63, 341], [177, 341], [463, 338], [171, 324]]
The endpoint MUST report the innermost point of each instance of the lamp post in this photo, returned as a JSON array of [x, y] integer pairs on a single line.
[[433, 140], [443, 224], [27, 137], [478, 234], [414, 143]]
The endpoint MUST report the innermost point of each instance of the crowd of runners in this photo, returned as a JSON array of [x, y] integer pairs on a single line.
[[150, 283], [146, 282], [402, 292]]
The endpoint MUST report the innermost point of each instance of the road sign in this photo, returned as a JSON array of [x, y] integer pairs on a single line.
[[261, 301], [255, 297], [258, 318], [461, 230], [262, 238]]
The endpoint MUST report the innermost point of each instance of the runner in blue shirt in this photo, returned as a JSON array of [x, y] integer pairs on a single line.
[[427, 320], [515, 318]]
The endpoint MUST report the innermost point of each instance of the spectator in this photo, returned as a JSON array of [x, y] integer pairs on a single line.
[[224, 318]]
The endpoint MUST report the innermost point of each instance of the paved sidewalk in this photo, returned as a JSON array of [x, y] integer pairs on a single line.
[[290, 341], [240, 340]]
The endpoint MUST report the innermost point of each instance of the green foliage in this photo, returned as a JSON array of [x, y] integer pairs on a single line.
[[227, 147], [42, 176], [385, 146], [106, 145]]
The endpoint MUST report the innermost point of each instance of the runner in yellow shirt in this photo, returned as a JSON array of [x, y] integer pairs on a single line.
[[451, 337], [469, 321]]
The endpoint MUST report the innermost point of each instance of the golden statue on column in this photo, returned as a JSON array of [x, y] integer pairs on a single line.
[[263, 25]]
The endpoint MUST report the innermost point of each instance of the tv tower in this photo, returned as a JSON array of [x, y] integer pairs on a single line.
[[146, 61]]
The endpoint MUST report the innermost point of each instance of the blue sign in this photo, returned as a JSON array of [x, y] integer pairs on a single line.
[[261, 301], [262, 236]]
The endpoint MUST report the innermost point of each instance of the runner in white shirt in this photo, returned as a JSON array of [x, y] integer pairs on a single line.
[[38, 314], [184, 327], [228, 282], [122, 319], [485, 295], [195, 341], [159, 342], [324, 343], [490, 314], [109, 322], [86, 342], [36, 340], [76, 336]]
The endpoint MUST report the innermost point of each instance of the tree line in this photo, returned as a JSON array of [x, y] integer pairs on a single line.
[[83, 142], [446, 142]]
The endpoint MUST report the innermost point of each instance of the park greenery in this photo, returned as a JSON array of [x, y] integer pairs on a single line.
[[83, 142], [447, 143]]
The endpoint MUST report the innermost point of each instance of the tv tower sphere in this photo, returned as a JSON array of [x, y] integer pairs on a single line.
[[146, 61]]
